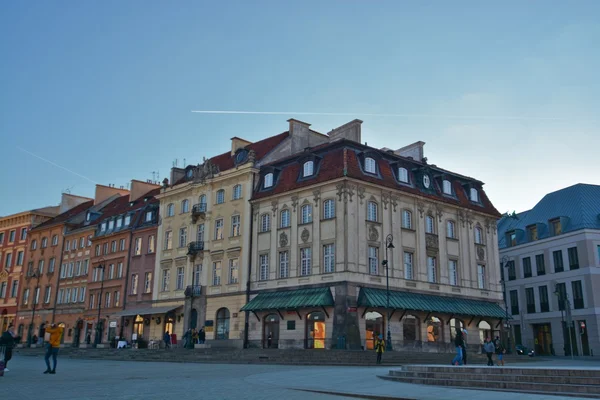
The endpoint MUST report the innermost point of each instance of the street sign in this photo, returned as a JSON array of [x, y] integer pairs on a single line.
[[352, 309]]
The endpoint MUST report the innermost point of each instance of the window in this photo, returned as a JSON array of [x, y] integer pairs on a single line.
[[197, 274], [150, 214], [453, 272], [122, 245], [14, 290], [26, 296], [89, 241], [24, 234], [20, 255], [134, 283], [41, 267], [265, 223], [36, 297], [233, 270], [77, 268], [81, 243], [236, 228], [373, 260], [92, 301], [577, 295], [168, 240], [544, 305], [474, 195], [11, 236], [33, 244], [183, 237], [111, 271], [220, 196], [285, 218], [166, 276], [514, 302], [55, 240], [264, 267], [74, 295], [103, 227], [3, 286], [329, 258], [171, 210], [106, 300], [111, 225], [429, 224], [532, 232], [63, 272], [372, 211], [8, 262], [561, 292], [113, 246], [530, 299], [573, 258], [306, 213], [180, 278], [47, 294], [431, 270], [148, 283], [406, 219], [284, 264], [216, 273], [61, 296], [451, 229], [185, 206], [447, 187], [556, 227], [119, 222], [86, 265], [305, 261], [128, 219], [308, 168], [370, 165], [151, 244], [268, 180], [117, 297], [67, 245], [540, 264], [97, 250], [512, 273], [558, 261], [45, 243], [73, 244], [104, 248], [138, 246], [82, 294], [403, 174], [328, 209], [1, 238], [200, 233], [527, 267], [408, 265], [481, 279], [237, 192], [219, 229]]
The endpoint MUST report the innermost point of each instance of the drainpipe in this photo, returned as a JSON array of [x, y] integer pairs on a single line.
[[247, 313]]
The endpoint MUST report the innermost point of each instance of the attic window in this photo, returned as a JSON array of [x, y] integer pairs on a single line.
[[268, 180], [556, 227], [308, 168], [88, 216], [370, 165], [532, 232], [511, 238], [127, 220], [474, 195], [447, 186], [403, 175], [190, 173], [103, 227], [241, 156]]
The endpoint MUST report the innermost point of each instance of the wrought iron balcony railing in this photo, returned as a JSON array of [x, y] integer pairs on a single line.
[[198, 211], [193, 290], [194, 248]]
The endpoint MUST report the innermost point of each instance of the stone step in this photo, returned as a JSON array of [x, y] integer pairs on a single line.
[[564, 380], [485, 370]]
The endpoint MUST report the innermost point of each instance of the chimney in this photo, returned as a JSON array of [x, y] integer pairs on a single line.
[[176, 174], [139, 189], [349, 131], [68, 201], [237, 143], [414, 151], [104, 192]]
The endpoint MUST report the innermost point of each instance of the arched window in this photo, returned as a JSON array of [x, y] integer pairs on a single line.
[[220, 196], [306, 213], [45, 242], [271, 331], [185, 206], [372, 211], [434, 330], [474, 195], [478, 235], [370, 165], [284, 219], [55, 240], [451, 229], [485, 331], [410, 327], [429, 224], [170, 210], [268, 180], [328, 209], [315, 330], [237, 192], [222, 330], [33, 244], [447, 187], [265, 222], [308, 168], [373, 328], [403, 174]]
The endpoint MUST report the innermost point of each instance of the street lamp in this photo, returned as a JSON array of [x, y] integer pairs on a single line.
[[504, 264], [98, 328], [36, 274], [389, 245], [565, 307]]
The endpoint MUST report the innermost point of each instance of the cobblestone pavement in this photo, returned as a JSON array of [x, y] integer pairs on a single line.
[[104, 379]]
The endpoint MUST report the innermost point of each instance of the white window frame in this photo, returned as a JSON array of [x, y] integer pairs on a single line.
[[263, 267], [408, 265], [373, 254], [183, 237], [481, 278], [407, 219], [329, 209], [236, 225], [170, 210], [165, 282], [474, 195], [284, 264], [185, 206], [265, 222], [148, 282], [268, 180], [370, 165], [180, 282], [219, 227], [403, 175], [234, 270], [429, 224], [447, 186], [285, 219], [432, 270], [220, 196], [478, 235], [329, 258], [237, 192], [168, 240], [453, 272], [216, 272], [134, 284], [372, 211], [305, 261], [451, 229], [306, 216], [308, 169]]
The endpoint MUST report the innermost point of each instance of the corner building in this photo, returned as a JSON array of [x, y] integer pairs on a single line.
[[326, 223]]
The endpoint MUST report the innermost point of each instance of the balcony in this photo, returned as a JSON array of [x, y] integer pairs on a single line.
[[195, 248], [198, 211], [193, 290]]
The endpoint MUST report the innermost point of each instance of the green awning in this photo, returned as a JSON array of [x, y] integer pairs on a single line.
[[370, 297], [290, 300]]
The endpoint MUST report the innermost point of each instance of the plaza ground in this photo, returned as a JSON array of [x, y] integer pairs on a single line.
[[102, 379]]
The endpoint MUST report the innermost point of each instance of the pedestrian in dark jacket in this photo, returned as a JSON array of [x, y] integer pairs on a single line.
[[459, 343], [464, 350], [489, 349], [167, 339], [499, 351], [202, 336], [8, 340]]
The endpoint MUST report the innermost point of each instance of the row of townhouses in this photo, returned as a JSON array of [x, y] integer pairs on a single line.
[[300, 240]]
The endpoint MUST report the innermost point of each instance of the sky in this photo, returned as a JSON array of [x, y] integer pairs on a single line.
[[102, 92]]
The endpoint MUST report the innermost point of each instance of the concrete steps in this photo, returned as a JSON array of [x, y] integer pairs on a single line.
[[560, 382]]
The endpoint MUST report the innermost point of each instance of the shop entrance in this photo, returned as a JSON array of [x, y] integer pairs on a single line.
[[374, 328], [271, 332], [542, 335], [315, 330]]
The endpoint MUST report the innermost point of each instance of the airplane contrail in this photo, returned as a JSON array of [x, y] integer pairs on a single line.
[[491, 117], [56, 165]]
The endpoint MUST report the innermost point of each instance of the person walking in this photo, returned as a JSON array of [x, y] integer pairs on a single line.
[[8, 340], [379, 348], [202, 336], [499, 351], [167, 339], [459, 343], [464, 349], [52, 347], [489, 349]]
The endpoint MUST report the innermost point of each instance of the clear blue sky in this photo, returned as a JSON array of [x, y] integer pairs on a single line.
[[105, 89]]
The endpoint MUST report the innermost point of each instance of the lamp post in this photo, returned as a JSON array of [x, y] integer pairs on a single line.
[[504, 264], [565, 307], [389, 244], [98, 328], [36, 274]]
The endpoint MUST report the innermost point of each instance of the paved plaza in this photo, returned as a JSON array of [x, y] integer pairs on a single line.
[[103, 379]]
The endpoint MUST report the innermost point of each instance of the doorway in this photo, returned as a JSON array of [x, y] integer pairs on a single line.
[[374, 328], [271, 332], [193, 319], [315, 330], [542, 335]]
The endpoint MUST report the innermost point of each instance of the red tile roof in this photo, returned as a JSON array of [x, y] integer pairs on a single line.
[[121, 205], [340, 159], [66, 216]]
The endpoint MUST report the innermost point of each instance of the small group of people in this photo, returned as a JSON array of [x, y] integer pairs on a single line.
[[494, 347], [194, 336], [489, 348]]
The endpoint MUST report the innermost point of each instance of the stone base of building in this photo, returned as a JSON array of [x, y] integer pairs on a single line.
[[202, 346]]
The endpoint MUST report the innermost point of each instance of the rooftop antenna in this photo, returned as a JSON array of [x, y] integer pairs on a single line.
[[184, 163], [176, 162]]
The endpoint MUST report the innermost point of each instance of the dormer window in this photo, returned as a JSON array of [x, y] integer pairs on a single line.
[[88, 216], [103, 227], [532, 232], [370, 165], [308, 168], [474, 195], [511, 238], [556, 227], [241, 156], [403, 175], [149, 216], [447, 187], [111, 224], [268, 180], [127, 220], [119, 222], [190, 173]]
